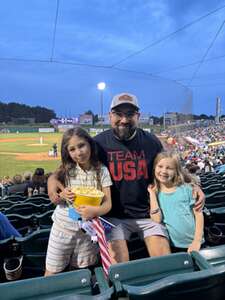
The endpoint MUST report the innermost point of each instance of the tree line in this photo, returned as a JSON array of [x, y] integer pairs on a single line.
[[20, 113]]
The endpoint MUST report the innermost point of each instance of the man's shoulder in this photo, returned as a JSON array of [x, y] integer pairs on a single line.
[[103, 135], [148, 136]]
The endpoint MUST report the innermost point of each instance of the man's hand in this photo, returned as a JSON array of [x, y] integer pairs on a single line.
[[199, 196]]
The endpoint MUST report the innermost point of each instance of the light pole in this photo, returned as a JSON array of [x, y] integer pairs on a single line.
[[101, 86]]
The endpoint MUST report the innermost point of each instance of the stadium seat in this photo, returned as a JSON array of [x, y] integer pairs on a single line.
[[74, 285], [5, 204], [218, 214], [45, 219], [64, 284], [40, 195], [205, 284], [212, 188], [34, 248], [215, 199], [214, 255], [15, 198], [24, 224], [29, 208], [37, 200], [132, 278], [144, 271]]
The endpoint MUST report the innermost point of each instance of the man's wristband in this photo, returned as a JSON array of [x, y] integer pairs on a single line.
[[154, 211]]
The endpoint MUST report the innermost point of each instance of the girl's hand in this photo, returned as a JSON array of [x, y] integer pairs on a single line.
[[194, 246], [54, 197], [67, 194], [152, 189], [88, 212]]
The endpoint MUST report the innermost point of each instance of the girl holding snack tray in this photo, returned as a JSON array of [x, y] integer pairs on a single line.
[[80, 171]]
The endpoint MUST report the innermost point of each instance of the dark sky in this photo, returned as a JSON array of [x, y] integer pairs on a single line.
[[170, 53]]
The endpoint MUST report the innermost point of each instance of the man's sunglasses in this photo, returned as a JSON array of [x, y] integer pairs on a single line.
[[128, 114]]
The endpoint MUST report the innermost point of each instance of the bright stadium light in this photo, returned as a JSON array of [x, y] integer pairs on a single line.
[[101, 86]]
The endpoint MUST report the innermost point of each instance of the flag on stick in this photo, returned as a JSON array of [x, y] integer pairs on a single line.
[[103, 246]]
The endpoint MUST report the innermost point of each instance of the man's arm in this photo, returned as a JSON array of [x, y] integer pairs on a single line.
[[199, 198], [54, 189], [197, 194]]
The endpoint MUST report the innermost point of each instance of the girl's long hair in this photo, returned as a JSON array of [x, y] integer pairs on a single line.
[[68, 165], [180, 174]]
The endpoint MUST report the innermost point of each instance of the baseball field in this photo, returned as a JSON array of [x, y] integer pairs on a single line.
[[27, 151]]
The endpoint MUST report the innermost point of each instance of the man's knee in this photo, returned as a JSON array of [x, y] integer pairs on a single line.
[[118, 251], [157, 245]]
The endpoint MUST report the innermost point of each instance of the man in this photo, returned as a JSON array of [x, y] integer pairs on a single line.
[[128, 152]]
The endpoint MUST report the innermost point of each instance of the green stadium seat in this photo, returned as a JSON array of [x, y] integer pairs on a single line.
[[34, 248], [40, 195], [205, 284], [45, 219], [72, 285], [37, 200], [218, 214], [5, 204], [145, 271], [215, 199], [214, 255], [24, 224], [15, 198], [29, 208]]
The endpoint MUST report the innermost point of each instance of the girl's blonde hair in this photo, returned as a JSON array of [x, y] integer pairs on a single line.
[[180, 175]]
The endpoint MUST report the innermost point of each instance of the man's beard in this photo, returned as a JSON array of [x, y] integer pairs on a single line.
[[124, 132]]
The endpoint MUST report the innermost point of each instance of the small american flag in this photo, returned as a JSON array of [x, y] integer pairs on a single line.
[[103, 246]]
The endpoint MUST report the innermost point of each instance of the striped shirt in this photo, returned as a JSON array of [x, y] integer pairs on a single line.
[[82, 178]]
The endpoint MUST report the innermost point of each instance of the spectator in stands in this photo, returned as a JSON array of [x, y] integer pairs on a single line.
[[38, 183], [194, 170], [18, 186], [6, 228], [172, 202], [68, 244], [27, 176], [208, 167]]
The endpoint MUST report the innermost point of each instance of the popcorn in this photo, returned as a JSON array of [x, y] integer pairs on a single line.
[[87, 191]]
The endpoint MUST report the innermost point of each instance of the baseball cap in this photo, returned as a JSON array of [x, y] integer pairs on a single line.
[[124, 98]]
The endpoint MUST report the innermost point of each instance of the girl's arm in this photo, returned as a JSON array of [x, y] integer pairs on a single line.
[[199, 226], [89, 212], [155, 211]]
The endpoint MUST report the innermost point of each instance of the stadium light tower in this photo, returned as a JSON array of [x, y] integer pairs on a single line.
[[101, 86]]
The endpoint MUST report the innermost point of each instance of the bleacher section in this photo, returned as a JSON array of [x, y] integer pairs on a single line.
[[176, 276]]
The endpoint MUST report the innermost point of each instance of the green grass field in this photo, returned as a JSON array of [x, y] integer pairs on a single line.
[[15, 149]]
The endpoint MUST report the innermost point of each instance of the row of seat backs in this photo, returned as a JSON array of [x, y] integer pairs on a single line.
[[38, 201], [213, 180], [30, 223], [20, 197], [215, 199], [176, 276], [27, 208]]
